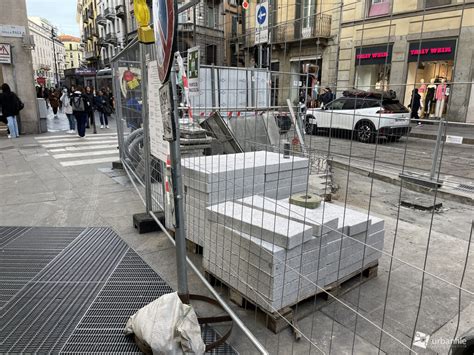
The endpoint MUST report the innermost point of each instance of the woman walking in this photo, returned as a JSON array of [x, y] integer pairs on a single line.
[[103, 106], [11, 107], [67, 109], [80, 108]]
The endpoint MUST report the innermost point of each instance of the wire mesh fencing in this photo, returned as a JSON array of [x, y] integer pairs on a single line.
[[326, 200]]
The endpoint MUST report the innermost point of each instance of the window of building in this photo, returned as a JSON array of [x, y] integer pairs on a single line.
[[309, 9], [435, 3], [379, 7]]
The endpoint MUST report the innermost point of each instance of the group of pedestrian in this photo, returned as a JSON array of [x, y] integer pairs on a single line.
[[80, 105], [81, 112]]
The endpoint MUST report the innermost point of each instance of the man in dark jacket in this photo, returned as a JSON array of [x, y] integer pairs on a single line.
[[415, 104], [10, 104], [80, 108], [90, 114]]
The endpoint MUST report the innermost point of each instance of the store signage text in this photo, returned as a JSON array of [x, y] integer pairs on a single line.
[[437, 50], [372, 55]]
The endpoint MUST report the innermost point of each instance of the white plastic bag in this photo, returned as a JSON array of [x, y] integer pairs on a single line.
[[167, 326]]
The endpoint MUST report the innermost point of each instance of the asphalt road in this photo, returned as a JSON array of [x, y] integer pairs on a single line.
[[409, 155]]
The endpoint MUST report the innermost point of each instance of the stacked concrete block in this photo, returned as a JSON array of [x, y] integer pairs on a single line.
[[269, 275], [277, 254], [210, 180]]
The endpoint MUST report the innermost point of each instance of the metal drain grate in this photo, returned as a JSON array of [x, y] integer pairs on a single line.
[[44, 314], [76, 299]]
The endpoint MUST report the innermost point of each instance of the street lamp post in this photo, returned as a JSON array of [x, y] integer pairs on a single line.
[[56, 79]]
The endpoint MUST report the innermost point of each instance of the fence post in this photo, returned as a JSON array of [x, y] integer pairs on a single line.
[[146, 129], [439, 138], [176, 179]]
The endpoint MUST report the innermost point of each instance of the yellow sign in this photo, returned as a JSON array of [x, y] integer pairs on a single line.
[[142, 14]]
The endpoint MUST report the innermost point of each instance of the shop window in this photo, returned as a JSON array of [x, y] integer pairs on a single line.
[[379, 7]]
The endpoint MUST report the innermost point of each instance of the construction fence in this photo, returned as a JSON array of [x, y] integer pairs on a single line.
[[320, 221]]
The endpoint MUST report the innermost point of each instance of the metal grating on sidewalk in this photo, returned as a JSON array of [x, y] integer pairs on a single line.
[[71, 290]]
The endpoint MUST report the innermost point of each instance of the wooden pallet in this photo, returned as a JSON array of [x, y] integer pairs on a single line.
[[283, 318]]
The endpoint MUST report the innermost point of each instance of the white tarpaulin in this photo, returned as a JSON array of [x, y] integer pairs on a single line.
[[167, 326]]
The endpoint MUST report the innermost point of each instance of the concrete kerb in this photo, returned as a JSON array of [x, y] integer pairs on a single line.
[[442, 193]]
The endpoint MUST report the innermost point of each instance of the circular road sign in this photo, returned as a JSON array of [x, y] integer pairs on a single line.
[[245, 5], [164, 21], [262, 15]]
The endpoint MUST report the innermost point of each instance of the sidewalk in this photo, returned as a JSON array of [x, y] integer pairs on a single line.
[[39, 190], [429, 130]]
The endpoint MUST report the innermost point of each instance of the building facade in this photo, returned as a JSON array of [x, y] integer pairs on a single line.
[[405, 44], [203, 25], [48, 54], [112, 27], [298, 48], [73, 51], [86, 16], [18, 71]]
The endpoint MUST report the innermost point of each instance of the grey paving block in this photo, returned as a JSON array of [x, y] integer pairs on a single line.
[[272, 228], [320, 222]]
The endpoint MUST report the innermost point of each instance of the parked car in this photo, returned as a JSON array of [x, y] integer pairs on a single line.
[[368, 116]]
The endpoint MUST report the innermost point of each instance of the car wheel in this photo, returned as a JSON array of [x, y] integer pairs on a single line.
[[309, 128], [365, 132]]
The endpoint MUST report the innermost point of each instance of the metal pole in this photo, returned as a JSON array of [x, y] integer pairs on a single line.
[[176, 178], [146, 129], [436, 151], [56, 81]]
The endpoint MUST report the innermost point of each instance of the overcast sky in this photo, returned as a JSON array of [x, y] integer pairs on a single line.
[[61, 13]]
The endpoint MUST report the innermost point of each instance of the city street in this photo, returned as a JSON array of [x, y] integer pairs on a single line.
[[409, 155]]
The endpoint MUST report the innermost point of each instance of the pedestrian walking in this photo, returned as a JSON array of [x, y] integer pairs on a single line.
[[67, 110], [90, 113], [415, 104], [54, 102], [102, 103], [46, 93], [326, 96], [80, 108], [11, 107]]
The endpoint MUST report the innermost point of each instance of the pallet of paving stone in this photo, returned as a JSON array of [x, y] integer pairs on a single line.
[[281, 319]]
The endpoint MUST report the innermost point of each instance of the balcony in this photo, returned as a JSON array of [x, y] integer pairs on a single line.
[[102, 42], [101, 20], [109, 13], [317, 26], [200, 30], [90, 55], [120, 11], [111, 38]]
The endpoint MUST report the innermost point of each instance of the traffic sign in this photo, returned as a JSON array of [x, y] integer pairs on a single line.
[[245, 5], [5, 54], [261, 23], [164, 23]]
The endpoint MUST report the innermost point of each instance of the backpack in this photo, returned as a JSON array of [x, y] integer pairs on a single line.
[[19, 104], [78, 103]]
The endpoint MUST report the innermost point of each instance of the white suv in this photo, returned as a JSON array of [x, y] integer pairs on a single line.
[[367, 117]]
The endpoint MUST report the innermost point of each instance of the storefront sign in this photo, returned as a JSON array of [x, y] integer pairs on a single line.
[[12, 31], [431, 50], [374, 55], [5, 54]]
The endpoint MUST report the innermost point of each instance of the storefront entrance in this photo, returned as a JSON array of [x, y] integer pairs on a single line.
[[429, 61], [373, 66], [306, 79]]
